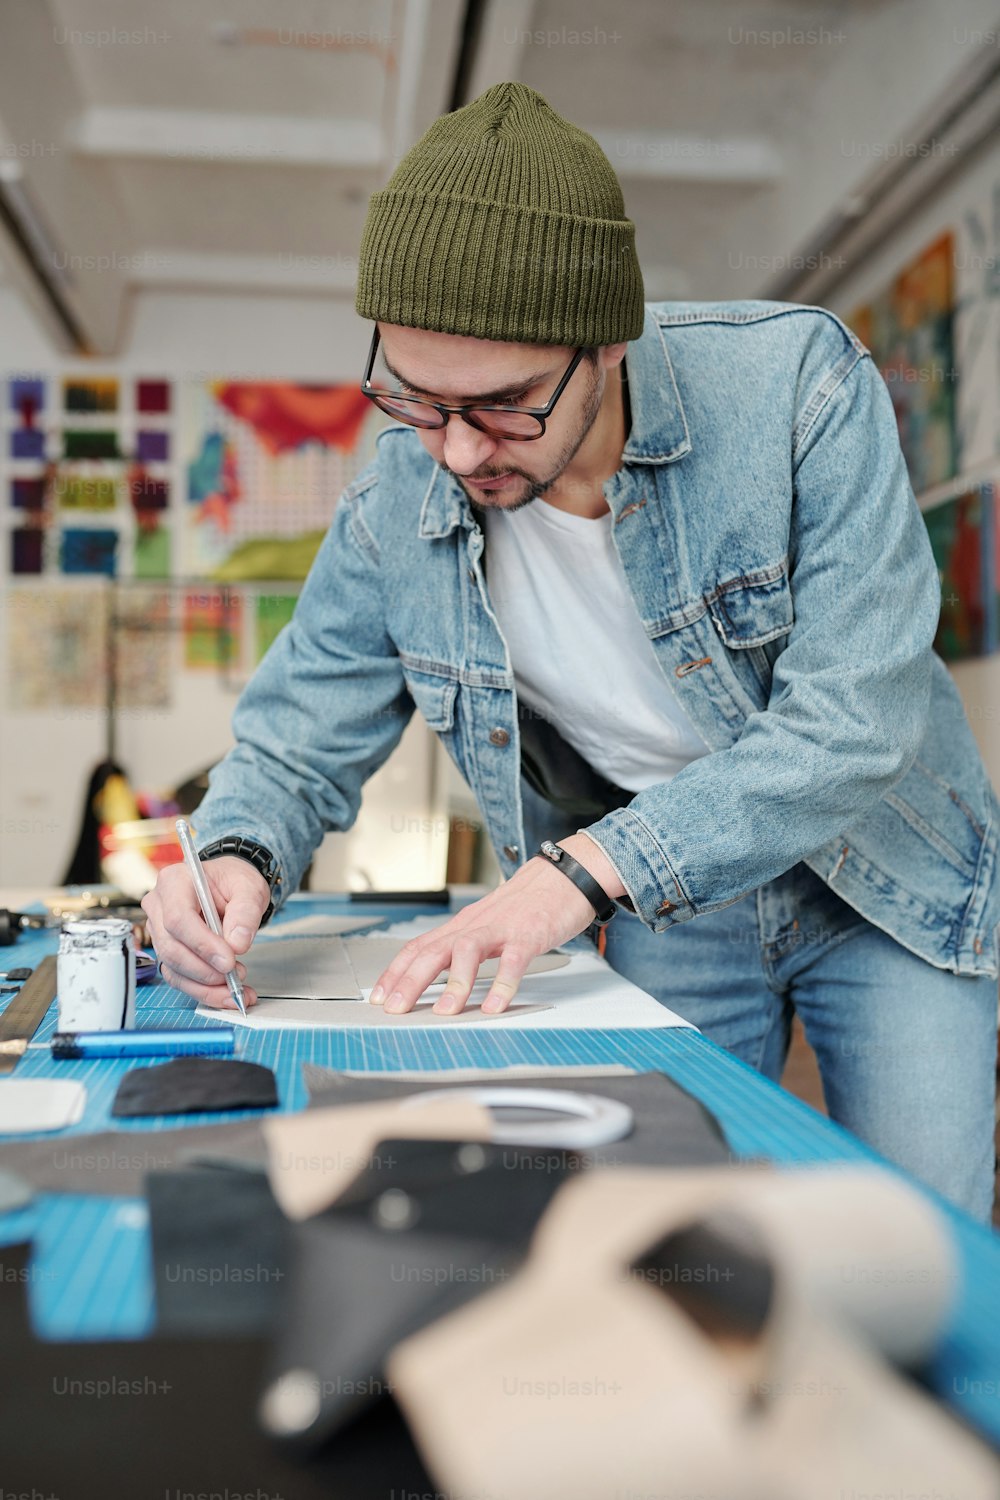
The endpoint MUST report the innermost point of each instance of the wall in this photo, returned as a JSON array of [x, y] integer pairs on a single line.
[[399, 839], [969, 195], [887, 62]]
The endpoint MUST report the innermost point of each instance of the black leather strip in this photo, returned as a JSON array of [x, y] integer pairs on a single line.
[[583, 880]]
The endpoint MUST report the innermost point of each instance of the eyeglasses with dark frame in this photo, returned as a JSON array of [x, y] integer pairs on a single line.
[[522, 424]]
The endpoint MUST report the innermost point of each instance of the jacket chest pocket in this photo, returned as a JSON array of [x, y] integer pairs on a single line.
[[434, 695], [753, 614]]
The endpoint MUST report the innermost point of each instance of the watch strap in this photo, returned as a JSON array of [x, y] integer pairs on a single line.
[[598, 897], [258, 855]]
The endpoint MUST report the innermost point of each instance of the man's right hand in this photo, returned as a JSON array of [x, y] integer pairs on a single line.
[[191, 957]]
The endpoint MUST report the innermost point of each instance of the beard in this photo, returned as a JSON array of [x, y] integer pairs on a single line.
[[533, 487]]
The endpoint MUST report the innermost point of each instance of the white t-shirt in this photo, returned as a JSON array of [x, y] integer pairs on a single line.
[[578, 650]]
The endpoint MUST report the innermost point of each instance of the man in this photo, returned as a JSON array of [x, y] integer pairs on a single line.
[[710, 587]]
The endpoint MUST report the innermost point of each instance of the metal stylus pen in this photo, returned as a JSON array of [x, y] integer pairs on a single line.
[[207, 904]]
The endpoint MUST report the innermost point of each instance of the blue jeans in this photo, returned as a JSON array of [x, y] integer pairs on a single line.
[[907, 1052]]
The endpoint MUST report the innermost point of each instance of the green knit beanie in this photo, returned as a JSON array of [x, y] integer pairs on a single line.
[[504, 222]]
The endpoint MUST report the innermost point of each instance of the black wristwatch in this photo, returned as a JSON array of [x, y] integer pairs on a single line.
[[256, 854], [581, 878]]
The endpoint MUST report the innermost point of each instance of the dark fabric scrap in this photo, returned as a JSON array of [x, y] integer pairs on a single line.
[[190, 1085], [672, 1128], [185, 1421], [426, 1227], [218, 1260]]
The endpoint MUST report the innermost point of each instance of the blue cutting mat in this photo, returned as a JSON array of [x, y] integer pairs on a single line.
[[91, 1276]]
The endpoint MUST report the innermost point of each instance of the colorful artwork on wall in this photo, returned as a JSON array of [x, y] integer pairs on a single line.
[[29, 494], [143, 642], [964, 539], [909, 332], [84, 549], [27, 400], [58, 649], [27, 443], [273, 613], [151, 552], [152, 396], [90, 442], [213, 629], [26, 554], [266, 462], [127, 479], [98, 426], [56, 657], [152, 446], [146, 493], [977, 332], [86, 394], [75, 491]]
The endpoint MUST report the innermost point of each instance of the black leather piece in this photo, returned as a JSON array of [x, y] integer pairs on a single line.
[[544, 820], [718, 1270], [559, 774], [672, 1128], [169, 1417], [581, 878], [190, 1085], [429, 1226], [218, 1243], [219, 1252]]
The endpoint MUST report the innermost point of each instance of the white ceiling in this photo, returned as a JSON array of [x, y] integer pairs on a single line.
[[165, 144], [295, 57]]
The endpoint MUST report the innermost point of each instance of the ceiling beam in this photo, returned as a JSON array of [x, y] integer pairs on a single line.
[[208, 136], [964, 120], [502, 34], [29, 275], [416, 19], [233, 271], [65, 226], [670, 156]]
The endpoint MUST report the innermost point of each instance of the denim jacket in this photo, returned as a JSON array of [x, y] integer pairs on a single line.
[[781, 568]]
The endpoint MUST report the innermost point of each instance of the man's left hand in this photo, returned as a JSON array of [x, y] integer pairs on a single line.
[[533, 911]]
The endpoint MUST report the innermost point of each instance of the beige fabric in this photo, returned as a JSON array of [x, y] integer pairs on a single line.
[[371, 956], [293, 1013], [865, 1249], [313, 1156], [328, 967], [580, 1378]]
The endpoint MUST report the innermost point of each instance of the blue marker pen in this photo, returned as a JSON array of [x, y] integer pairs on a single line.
[[212, 1041]]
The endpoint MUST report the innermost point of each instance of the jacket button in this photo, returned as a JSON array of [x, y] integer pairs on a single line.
[[499, 737], [511, 851], [661, 911]]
